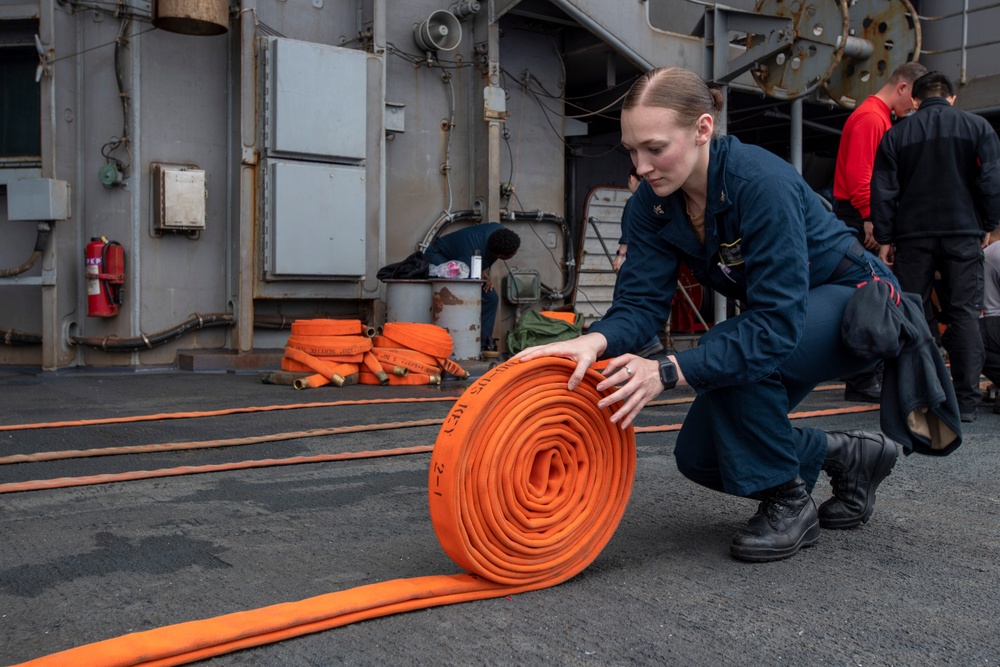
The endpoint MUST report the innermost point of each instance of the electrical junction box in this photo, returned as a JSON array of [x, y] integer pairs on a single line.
[[523, 286], [39, 199], [179, 195], [315, 220]]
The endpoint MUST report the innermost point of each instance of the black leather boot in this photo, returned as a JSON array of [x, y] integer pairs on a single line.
[[857, 462], [784, 523]]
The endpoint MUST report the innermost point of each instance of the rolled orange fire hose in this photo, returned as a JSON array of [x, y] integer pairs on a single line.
[[421, 342], [427, 338], [412, 360], [528, 482], [408, 380]]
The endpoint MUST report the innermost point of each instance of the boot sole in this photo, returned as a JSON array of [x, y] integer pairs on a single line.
[[886, 462], [809, 538]]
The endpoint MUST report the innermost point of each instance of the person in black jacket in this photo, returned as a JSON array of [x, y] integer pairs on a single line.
[[935, 196]]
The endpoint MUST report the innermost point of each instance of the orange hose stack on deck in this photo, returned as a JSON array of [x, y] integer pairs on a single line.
[[335, 351], [421, 349], [527, 484], [331, 349]]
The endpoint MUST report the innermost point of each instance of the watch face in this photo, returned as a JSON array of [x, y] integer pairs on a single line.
[[668, 374]]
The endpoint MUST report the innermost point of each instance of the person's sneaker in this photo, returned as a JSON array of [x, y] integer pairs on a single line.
[[857, 462], [969, 417], [784, 523]]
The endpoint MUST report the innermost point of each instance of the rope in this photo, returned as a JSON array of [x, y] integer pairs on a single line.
[[528, 482]]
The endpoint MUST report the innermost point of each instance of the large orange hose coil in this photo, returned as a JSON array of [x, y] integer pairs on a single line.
[[528, 482]]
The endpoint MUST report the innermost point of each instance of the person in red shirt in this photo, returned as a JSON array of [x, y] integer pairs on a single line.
[[852, 181]]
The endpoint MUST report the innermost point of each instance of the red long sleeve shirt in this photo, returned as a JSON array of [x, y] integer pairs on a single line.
[[856, 154]]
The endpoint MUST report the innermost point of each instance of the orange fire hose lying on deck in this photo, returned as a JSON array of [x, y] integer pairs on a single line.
[[528, 482]]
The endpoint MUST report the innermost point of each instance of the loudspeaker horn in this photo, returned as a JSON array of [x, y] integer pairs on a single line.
[[440, 32]]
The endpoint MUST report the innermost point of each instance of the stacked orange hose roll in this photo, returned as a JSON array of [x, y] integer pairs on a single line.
[[528, 482], [421, 349], [332, 350]]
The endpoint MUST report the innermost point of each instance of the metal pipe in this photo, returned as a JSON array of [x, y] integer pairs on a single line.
[[796, 156], [51, 342], [246, 213], [965, 41], [379, 32], [493, 127], [135, 183]]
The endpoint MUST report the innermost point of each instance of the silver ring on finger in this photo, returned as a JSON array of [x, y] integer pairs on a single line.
[[629, 371]]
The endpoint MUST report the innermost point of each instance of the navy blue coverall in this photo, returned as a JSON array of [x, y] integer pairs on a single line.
[[459, 246], [793, 265]]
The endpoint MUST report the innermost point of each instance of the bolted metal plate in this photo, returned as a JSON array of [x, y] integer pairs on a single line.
[[890, 32], [820, 37]]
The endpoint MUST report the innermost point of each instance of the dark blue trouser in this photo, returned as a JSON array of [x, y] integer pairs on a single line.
[[739, 439], [959, 259], [488, 315]]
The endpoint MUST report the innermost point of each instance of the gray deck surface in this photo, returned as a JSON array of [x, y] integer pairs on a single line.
[[918, 585]]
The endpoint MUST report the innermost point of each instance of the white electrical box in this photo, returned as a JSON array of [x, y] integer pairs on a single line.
[[39, 199], [179, 196]]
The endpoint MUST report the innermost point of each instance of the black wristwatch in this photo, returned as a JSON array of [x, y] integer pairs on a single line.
[[668, 373]]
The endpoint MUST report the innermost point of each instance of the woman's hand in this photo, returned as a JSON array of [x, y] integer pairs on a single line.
[[616, 263], [641, 378], [583, 350]]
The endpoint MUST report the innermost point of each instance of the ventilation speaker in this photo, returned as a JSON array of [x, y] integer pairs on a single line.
[[440, 32]]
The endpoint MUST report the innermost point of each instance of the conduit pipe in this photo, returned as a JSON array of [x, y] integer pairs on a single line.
[[569, 270], [442, 222], [149, 341], [41, 239]]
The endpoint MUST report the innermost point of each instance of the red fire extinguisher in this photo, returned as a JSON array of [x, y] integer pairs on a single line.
[[105, 277]]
